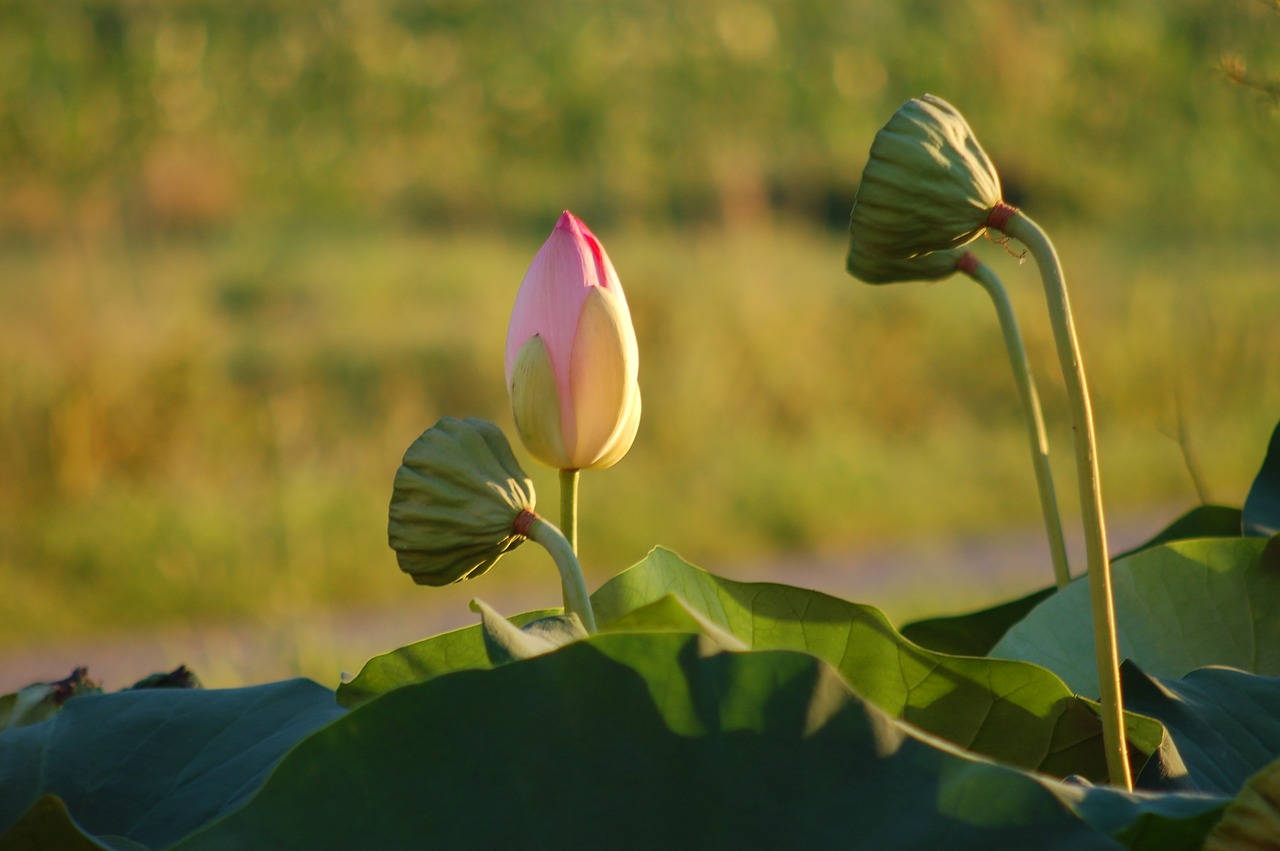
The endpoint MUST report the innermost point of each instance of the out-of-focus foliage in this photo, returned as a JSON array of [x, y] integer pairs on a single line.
[[248, 251], [461, 112]]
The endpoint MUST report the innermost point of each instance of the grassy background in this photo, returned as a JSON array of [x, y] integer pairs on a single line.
[[247, 253]]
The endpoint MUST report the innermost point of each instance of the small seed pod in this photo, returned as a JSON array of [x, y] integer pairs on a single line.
[[927, 185], [456, 500]]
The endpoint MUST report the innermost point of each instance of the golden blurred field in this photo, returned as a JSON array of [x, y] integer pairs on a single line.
[[219, 433], [247, 256]]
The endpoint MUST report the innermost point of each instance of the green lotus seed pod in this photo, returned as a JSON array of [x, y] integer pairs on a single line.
[[927, 185], [456, 501], [871, 267]]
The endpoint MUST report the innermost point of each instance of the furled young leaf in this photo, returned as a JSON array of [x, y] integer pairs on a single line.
[[153, 765], [457, 650], [505, 642], [29, 705], [1252, 821], [1013, 712], [975, 633], [1179, 607], [1262, 506], [41, 701], [1225, 723], [658, 741]]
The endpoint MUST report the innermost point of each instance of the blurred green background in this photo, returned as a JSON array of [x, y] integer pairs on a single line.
[[249, 251]]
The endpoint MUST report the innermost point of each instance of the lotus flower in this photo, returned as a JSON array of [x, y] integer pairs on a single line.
[[571, 360]]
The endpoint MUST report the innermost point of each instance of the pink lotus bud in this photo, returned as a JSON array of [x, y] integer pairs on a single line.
[[572, 360]]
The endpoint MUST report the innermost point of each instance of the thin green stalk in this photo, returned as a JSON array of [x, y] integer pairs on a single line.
[[983, 274], [572, 582], [1023, 229], [569, 506]]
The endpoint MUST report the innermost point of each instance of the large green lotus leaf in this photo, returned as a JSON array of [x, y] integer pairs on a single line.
[[1203, 521], [659, 741], [1179, 607], [1262, 505], [1014, 712], [1225, 723], [973, 633], [672, 614], [153, 765], [1166, 821], [465, 648], [457, 650]]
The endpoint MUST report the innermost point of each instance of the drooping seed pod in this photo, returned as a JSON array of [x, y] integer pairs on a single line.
[[927, 184], [456, 501]]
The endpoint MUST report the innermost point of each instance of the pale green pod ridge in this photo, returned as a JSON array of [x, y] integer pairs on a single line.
[[928, 184], [455, 501]]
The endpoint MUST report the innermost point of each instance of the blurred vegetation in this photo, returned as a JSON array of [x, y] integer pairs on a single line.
[[249, 251], [143, 115]]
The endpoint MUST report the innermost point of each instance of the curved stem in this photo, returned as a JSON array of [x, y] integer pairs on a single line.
[[572, 582], [1035, 418], [1023, 229], [569, 506]]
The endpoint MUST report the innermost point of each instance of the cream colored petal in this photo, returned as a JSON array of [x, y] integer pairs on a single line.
[[601, 375], [535, 404], [620, 443]]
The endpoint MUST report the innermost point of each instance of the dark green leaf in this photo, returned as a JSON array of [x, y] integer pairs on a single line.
[[972, 634], [1170, 821], [1011, 711], [457, 650], [1179, 607], [1262, 506], [1203, 521], [1225, 723], [153, 765], [654, 741]]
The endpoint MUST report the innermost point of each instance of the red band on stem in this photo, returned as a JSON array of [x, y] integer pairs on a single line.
[[1000, 215], [968, 264], [524, 522]]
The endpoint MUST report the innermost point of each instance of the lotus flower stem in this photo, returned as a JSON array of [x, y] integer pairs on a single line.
[[983, 274], [569, 506], [572, 582], [1019, 226]]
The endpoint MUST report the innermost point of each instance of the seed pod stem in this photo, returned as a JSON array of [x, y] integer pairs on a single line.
[[576, 599], [1022, 228], [983, 275]]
